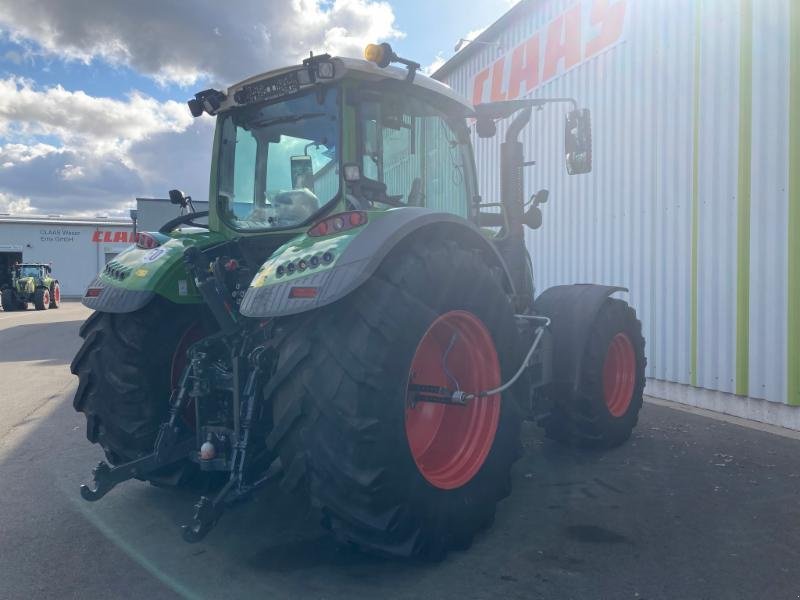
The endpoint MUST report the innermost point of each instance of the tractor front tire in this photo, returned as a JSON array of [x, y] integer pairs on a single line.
[[126, 371], [41, 298], [9, 301], [55, 295], [390, 473], [605, 408]]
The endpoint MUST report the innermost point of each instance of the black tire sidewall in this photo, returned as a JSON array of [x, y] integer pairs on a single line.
[[452, 282], [39, 299], [53, 302], [614, 317], [419, 490], [9, 302]]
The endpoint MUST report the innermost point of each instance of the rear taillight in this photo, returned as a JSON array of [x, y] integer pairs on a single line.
[[338, 223], [146, 241]]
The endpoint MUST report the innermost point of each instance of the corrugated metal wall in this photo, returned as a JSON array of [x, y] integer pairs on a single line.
[[665, 108]]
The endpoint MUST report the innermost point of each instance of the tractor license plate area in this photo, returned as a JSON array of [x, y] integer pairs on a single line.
[[212, 391], [267, 89]]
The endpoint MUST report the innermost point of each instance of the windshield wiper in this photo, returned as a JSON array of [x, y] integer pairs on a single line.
[[288, 119]]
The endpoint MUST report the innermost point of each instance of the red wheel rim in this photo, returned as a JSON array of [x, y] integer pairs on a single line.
[[46, 298], [619, 374], [194, 333], [450, 443], [57, 295]]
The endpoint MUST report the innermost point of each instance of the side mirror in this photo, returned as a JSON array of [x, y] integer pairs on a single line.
[[177, 197], [302, 172], [578, 141], [533, 216]]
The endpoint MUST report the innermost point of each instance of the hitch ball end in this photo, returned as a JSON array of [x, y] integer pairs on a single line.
[[207, 451]]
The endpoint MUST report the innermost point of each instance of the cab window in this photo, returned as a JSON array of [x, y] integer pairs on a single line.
[[415, 150]]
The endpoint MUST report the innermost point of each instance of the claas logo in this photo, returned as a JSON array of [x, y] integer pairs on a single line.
[[574, 36], [124, 237]]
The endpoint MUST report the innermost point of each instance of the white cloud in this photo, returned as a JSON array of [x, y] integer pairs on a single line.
[[76, 116], [100, 152], [70, 171], [11, 154], [67, 152], [13, 205], [434, 66], [181, 43]]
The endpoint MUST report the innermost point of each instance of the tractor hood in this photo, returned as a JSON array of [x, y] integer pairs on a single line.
[[26, 285]]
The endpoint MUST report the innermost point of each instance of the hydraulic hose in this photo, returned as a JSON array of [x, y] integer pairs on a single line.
[[460, 397]]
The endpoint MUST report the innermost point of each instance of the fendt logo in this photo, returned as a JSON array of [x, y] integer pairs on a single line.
[[573, 37]]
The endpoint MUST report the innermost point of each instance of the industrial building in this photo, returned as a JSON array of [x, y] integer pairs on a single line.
[[694, 200], [77, 247]]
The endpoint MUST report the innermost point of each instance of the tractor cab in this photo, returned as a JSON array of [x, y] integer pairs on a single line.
[[334, 134], [337, 135], [36, 272]]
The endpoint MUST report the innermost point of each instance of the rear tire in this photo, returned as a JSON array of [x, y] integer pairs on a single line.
[[9, 302], [605, 409], [125, 380], [340, 405], [41, 298]]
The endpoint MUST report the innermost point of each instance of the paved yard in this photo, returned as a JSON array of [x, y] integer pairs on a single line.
[[692, 507]]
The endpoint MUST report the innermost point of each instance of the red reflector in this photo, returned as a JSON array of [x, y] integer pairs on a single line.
[[303, 292], [338, 223], [93, 292]]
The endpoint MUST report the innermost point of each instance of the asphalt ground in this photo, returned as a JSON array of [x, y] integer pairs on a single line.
[[691, 507]]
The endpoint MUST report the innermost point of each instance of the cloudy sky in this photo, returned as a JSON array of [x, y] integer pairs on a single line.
[[92, 92]]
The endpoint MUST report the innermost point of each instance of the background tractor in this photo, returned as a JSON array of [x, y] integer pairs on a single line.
[[31, 283], [353, 319]]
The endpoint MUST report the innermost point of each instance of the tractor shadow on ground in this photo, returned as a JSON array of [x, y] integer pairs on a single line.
[[574, 520], [16, 344], [272, 533], [279, 534]]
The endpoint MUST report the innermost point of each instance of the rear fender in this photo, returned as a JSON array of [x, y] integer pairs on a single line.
[[135, 276], [572, 310], [355, 255]]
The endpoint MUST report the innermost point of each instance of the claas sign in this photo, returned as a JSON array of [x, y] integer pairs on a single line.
[[576, 35]]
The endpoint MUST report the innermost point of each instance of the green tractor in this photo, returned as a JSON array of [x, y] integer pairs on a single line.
[[31, 282], [350, 318]]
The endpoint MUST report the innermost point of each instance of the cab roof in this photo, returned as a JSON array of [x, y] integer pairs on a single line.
[[353, 67]]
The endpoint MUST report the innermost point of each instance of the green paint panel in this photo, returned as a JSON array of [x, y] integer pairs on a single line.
[[304, 247], [793, 357], [161, 269], [743, 195]]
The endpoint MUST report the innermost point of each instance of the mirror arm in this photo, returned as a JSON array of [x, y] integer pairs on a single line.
[[505, 108]]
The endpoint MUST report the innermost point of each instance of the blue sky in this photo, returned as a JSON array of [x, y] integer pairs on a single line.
[[92, 92]]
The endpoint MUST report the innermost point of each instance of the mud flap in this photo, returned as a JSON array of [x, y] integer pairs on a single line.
[[572, 310]]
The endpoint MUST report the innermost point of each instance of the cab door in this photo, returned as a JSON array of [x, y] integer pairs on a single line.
[[420, 153]]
